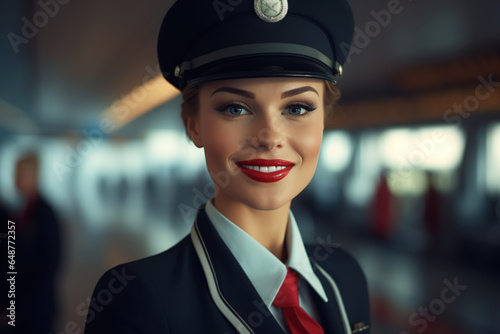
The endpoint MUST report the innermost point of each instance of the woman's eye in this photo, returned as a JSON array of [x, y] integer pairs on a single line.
[[298, 110], [233, 109]]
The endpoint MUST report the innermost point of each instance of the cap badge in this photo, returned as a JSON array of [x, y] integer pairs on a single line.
[[271, 11]]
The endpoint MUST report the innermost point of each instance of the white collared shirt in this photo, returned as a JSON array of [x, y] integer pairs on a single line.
[[264, 269]]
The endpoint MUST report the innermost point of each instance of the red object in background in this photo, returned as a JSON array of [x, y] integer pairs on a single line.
[[382, 210]]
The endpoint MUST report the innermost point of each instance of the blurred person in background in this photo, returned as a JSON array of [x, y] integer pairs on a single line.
[[433, 204], [38, 243], [383, 210]]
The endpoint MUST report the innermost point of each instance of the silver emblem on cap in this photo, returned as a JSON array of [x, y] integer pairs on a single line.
[[271, 11], [339, 69]]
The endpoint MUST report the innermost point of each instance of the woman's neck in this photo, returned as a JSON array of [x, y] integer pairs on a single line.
[[268, 227]]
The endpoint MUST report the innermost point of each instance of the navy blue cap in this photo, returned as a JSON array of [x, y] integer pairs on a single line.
[[207, 40]]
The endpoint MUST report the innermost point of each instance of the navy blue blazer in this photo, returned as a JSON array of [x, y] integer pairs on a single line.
[[197, 286]]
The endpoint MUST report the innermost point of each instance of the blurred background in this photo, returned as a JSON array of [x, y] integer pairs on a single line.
[[408, 178]]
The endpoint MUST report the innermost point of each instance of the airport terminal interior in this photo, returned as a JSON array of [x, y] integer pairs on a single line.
[[408, 178]]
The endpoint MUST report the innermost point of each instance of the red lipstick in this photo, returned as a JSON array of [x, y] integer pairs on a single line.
[[265, 170]]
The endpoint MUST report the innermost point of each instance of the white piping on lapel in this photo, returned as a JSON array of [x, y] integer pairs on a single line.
[[338, 296], [222, 304]]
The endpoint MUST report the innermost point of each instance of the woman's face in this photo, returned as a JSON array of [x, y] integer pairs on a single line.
[[261, 137]]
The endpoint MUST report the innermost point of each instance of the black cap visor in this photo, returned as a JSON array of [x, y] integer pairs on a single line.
[[258, 67]]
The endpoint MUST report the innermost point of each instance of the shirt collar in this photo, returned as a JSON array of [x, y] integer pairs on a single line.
[[265, 271]]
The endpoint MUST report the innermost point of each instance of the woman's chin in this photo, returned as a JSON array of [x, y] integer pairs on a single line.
[[265, 202]]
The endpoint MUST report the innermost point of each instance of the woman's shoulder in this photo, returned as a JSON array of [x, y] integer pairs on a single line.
[[162, 266], [157, 274], [130, 292]]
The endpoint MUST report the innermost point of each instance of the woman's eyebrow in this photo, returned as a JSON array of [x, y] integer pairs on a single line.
[[251, 95], [235, 91], [298, 91]]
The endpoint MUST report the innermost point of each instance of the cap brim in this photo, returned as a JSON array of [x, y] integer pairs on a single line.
[[260, 67]]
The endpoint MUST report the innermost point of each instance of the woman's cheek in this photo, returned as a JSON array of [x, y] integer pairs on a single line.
[[220, 142], [309, 141]]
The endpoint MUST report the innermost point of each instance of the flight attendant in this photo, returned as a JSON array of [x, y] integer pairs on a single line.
[[257, 78]]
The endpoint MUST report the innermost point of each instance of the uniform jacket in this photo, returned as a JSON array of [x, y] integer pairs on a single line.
[[197, 286]]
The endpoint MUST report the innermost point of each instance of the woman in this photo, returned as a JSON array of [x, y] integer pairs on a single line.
[[257, 81]]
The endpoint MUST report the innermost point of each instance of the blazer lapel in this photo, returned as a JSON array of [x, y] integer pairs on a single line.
[[232, 284], [329, 312]]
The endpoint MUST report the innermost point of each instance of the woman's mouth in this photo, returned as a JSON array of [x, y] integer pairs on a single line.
[[265, 170]]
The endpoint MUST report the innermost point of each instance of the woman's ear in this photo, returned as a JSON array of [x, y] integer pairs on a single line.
[[193, 130]]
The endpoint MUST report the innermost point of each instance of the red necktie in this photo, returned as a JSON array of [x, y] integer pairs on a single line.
[[297, 320]]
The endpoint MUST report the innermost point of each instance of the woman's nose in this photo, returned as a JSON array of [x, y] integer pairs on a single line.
[[268, 133]]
